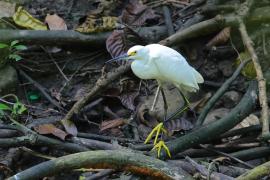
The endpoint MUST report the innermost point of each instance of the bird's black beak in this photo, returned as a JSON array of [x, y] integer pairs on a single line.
[[118, 58]]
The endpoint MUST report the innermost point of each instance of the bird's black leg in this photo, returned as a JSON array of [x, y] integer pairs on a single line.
[[181, 109], [165, 103], [185, 99]]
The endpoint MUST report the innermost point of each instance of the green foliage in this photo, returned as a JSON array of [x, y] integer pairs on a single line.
[[249, 70], [15, 109], [14, 49]]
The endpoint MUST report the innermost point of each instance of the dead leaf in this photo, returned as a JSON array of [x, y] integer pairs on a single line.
[[127, 99], [248, 121], [51, 129], [136, 14], [98, 24], [127, 84], [220, 38], [70, 127], [115, 43], [178, 125], [112, 124], [106, 7], [7, 9], [55, 22], [24, 19]]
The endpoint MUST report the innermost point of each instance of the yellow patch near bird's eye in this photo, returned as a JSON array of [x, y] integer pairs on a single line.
[[132, 53]]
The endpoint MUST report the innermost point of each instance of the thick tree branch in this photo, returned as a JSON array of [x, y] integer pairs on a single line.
[[257, 173], [214, 129], [127, 161]]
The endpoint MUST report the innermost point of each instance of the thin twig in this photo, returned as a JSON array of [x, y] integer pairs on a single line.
[[101, 84], [227, 155], [261, 81]]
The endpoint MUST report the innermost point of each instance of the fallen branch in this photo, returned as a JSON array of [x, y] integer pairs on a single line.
[[100, 86], [232, 171], [152, 34], [204, 171], [196, 30], [31, 138], [127, 161], [214, 129], [257, 173], [71, 38], [252, 153], [228, 155], [261, 81]]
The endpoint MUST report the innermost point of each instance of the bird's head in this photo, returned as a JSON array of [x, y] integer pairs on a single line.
[[136, 53]]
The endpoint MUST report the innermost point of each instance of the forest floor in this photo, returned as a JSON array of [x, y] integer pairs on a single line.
[[67, 114]]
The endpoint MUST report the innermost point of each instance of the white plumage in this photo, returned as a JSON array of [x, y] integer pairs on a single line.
[[164, 64]]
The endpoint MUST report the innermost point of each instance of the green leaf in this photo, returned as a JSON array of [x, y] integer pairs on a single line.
[[34, 97], [20, 47], [16, 57], [2, 45], [249, 70], [4, 107], [18, 108], [14, 42]]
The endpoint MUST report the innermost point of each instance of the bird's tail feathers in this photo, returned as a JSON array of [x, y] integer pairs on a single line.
[[198, 76]]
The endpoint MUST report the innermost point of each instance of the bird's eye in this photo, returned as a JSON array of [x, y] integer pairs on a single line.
[[133, 53]]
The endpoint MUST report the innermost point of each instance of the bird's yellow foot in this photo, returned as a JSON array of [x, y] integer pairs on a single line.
[[159, 128], [161, 144]]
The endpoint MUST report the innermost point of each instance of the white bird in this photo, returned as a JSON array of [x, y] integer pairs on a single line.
[[164, 64]]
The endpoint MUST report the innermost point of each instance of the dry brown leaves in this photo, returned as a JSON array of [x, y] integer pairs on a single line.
[[51, 129], [126, 98], [221, 38], [112, 124], [55, 22], [135, 14]]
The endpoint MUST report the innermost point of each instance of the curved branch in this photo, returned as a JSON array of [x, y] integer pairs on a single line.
[[214, 129], [261, 81], [127, 161]]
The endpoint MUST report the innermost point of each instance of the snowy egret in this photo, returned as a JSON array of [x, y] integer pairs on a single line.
[[164, 64]]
